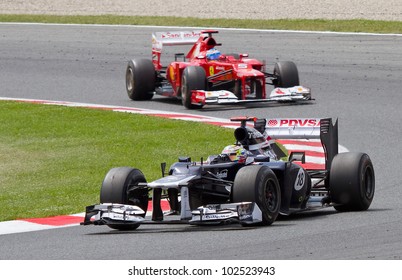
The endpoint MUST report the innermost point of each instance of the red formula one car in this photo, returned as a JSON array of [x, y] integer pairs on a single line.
[[205, 76]]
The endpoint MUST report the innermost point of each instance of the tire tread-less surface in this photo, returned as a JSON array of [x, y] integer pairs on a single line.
[[352, 181], [193, 77], [121, 186], [258, 183], [287, 74], [140, 79]]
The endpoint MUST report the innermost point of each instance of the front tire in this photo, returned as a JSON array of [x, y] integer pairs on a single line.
[[140, 79], [193, 78], [258, 183], [352, 182], [286, 74], [121, 186]]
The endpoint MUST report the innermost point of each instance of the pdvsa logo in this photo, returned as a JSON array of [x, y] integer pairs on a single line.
[[299, 122], [294, 122]]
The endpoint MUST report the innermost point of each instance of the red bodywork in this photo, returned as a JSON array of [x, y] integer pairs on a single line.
[[233, 67]]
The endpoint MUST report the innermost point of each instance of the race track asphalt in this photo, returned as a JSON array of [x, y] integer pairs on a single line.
[[356, 78]]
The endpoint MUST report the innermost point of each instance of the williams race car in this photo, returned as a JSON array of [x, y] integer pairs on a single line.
[[205, 76], [248, 183]]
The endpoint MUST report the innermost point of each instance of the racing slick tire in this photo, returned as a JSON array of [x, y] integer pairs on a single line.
[[352, 182], [140, 79], [121, 186], [286, 74], [193, 77], [259, 184]]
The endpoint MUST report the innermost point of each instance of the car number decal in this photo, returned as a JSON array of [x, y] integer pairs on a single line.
[[299, 183]]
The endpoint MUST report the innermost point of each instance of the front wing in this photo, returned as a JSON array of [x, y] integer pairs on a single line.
[[241, 212], [120, 214], [223, 97], [113, 213]]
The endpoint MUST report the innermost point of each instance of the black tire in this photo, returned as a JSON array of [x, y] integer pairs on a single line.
[[237, 90], [193, 77], [286, 74], [257, 88], [121, 186], [140, 79], [258, 183], [352, 182]]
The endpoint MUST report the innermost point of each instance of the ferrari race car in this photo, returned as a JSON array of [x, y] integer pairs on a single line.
[[248, 183], [205, 76]]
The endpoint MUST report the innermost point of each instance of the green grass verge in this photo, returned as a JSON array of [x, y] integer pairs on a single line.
[[54, 158], [357, 25]]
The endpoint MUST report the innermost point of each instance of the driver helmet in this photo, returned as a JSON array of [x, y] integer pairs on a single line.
[[235, 153], [213, 54]]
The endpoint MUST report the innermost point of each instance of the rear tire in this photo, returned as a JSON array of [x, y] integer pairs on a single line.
[[352, 182], [286, 74], [193, 78], [121, 186], [258, 183], [140, 79]]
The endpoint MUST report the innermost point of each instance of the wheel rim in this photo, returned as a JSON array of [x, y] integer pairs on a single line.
[[271, 196], [130, 79], [131, 186], [368, 182], [133, 195]]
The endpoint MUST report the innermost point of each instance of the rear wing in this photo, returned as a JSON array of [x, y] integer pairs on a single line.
[[293, 128], [323, 129], [315, 128], [173, 38]]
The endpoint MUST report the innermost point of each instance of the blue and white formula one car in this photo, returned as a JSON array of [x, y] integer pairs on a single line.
[[247, 183]]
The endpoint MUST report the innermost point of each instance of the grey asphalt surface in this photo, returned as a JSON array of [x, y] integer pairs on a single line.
[[356, 78]]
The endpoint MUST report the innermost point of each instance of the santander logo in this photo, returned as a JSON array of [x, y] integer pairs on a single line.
[[178, 35], [293, 122]]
